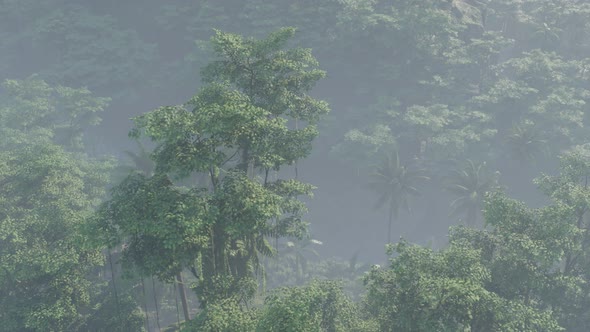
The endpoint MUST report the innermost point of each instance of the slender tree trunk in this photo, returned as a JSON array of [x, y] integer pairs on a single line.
[[389, 225], [176, 302], [113, 280], [183, 296], [472, 217], [296, 169], [297, 268], [147, 320], [156, 304]]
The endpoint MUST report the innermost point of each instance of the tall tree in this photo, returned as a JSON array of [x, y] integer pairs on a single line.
[[48, 191], [526, 143], [395, 182], [448, 290], [236, 130], [469, 185], [296, 253]]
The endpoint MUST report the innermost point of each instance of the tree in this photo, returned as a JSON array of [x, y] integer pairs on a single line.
[[522, 252], [532, 266], [470, 185], [69, 43], [536, 89], [394, 183], [57, 113], [362, 147], [527, 272], [225, 315], [297, 252], [45, 196], [318, 306], [48, 191], [234, 130], [426, 291], [570, 194], [526, 143], [449, 290]]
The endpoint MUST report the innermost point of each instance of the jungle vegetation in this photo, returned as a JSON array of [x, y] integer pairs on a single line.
[[242, 166]]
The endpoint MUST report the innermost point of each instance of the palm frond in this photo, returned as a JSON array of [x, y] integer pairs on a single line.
[[469, 185]]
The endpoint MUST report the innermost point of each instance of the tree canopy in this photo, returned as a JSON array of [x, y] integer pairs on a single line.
[[159, 162]]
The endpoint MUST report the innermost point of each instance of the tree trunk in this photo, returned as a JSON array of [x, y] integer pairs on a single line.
[[113, 280], [182, 292], [147, 320], [389, 225], [472, 217], [156, 304]]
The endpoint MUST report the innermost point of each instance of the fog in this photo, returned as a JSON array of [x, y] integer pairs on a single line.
[[441, 114]]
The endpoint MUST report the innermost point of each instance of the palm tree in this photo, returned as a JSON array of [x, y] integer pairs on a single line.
[[139, 161], [525, 143], [470, 184], [299, 251], [394, 183]]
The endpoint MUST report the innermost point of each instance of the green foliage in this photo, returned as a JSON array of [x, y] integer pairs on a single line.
[[274, 79], [526, 143], [440, 129], [46, 196], [39, 111], [70, 44], [523, 253], [527, 273], [540, 89], [469, 185], [427, 291], [163, 227], [114, 314], [362, 147], [318, 306], [44, 264], [223, 316], [297, 252], [450, 290], [235, 128], [394, 183], [570, 195], [298, 263], [465, 80]]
